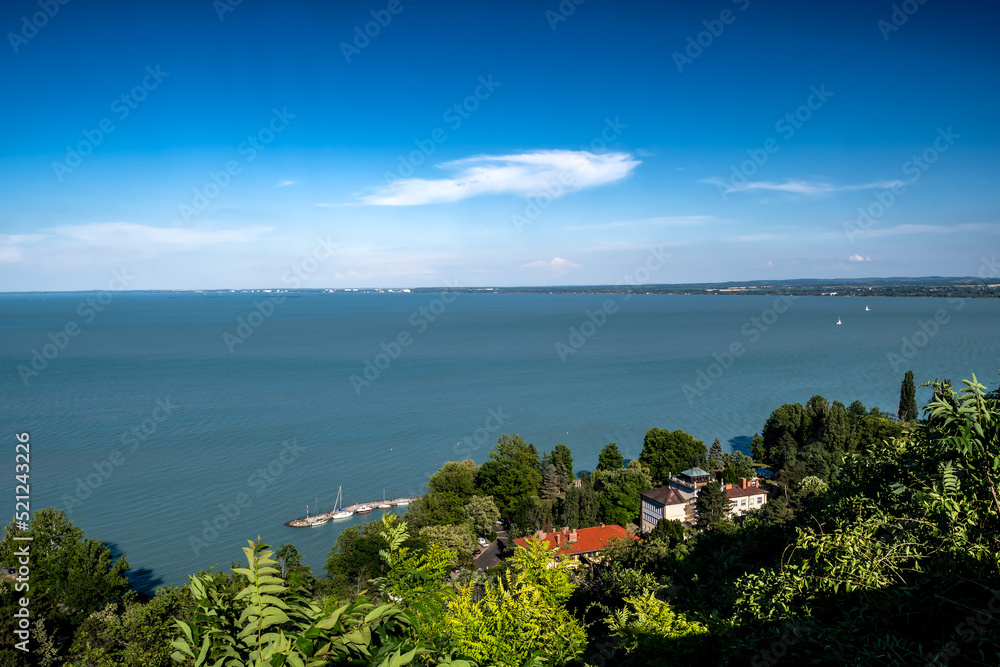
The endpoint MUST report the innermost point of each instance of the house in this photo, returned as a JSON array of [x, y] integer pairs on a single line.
[[745, 496], [666, 502], [690, 480], [580, 544]]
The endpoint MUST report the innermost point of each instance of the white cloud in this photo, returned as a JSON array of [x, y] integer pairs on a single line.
[[811, 188], [556, 172], [131, 235], [662, 221], [859, 258], [284, 183], [931, 229], [556, 265]]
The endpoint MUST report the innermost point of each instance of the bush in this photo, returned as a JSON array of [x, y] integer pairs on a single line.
[[493, 536]]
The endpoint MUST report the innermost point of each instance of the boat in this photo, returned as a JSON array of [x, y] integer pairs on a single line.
[[339, 512], [363, 509], [838, 320], [402, 503], [867, 308], [317, 520], [384, 506]]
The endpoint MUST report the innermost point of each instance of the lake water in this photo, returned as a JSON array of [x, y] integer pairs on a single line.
[[169, 430]]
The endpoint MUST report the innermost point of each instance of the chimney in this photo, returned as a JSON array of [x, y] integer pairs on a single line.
[[728, 486], [558, 537], [743, 482], [602, 525], [540, 535], [572, 536], [565, 530]]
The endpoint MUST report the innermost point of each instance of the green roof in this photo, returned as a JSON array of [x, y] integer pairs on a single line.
[[694, 472]]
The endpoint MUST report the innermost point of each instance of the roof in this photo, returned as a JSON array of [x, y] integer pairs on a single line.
[[588, 540], [737, 492], [694, 472], [665, 495]]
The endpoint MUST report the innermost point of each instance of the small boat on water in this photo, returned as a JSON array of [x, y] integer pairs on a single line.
[[317, 520], [384, 506], [402, 503], [339, 511], [867, 308], [363, 509], [838, 320]]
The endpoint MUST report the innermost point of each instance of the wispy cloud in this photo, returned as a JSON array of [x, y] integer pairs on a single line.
[[283, 183], [808, 188], [663, 221], [556, 264], [128, 234], [859, 258], [932, 229], [524, 174], [750, 238]]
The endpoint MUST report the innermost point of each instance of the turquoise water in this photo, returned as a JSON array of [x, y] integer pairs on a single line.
[[149, 430]]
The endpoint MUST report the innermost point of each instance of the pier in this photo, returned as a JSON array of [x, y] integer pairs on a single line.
[[353, 509]]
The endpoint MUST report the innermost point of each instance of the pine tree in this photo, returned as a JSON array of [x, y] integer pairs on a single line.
[[610, 458], [908, 399], [713, 506], [715, 455], [554, 480]]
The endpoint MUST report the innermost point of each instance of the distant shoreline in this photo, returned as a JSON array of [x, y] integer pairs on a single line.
[[938, 287]]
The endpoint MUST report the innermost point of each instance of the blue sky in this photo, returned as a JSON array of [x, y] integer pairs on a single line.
[[210, 145]]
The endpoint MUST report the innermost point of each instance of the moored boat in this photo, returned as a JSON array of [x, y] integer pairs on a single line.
[[363, 509]]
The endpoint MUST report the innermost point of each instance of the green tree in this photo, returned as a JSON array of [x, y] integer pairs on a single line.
[[713, 506], [669, 452], [563, 454], [610, 458], [569, 508], [715, 456], [667, 532], [736, 465], [482, 514], [456, 478], [521, 619], [435, 509], [588, 502], [618, 492], [354, 558], [452, 538], [553, 481], [908, 399]]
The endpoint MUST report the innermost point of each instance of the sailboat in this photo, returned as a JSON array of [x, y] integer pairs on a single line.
[[384, 505], [867, 308], [339, 512], [838, 320], [316, 519]]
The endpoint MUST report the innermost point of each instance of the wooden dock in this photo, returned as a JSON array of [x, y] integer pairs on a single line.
[[374, 504]]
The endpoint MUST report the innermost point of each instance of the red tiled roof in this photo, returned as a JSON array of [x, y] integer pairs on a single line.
[[737, 492], [588, 540]]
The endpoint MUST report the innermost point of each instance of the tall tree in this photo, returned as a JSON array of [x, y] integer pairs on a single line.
[[588, 502], [563, 454], [482, 514], [715, 456], [908, 399], [610, 458], [713, 507], [457, 477], [569, 514], [553, 481], [669, 452]]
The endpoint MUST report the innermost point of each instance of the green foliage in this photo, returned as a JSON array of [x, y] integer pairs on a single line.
[[716, 459], [482, 514], [562, 454], [456, 539], [670, 452], [667, 532], [553, 481], [648, 629], [354, 558], [908, 399], [266, 623], [713, 507], [520, 619], [618, 492], [455, 478], [610, 458]]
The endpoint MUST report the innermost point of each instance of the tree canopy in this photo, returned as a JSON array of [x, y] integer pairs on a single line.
[[670, 452]]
